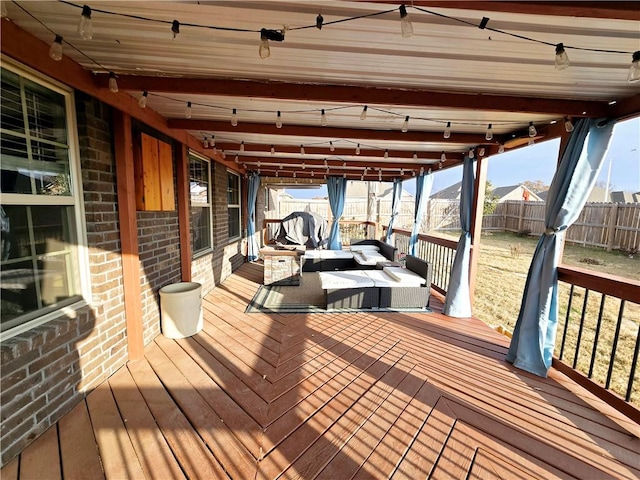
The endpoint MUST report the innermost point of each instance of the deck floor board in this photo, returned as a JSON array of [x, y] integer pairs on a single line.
[[339, 396]]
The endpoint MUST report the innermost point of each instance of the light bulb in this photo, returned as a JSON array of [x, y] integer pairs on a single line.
[[440, 166], [532, 130], [568, 124], [323, 118], [224, 155], [402, 171], [55, 52], [447, 130], [234, 118], [236, 159], [142, 101], [175, 28], [276, 173], [319, 21], [301, 150], [278, 120], [562, 59], [331, 147], [386, 153], [280, 166], [85, 29], [205, 142], [634, 70], [471, 153], [405, 124], [501, 148], [363, 115], [415, 155], [421, 171], [358, 149], [264, 51], [187, 111], [213, 142], [113, 83], [405, 22], [273, 150], [294, 174], [242, 146], [489, 135], [443, 157], [312, 173], [379, 175], [344, 175], [481, 152]]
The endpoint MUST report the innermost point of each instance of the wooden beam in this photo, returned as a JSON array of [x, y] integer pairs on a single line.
[[330, 132], [476, 223], [358, 95], [613, 10], [184, 219], [123, 148], [23, 47], [297, 163], [626, 108]]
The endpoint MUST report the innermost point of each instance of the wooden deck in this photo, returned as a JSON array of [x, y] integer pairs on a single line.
[[334, 396]]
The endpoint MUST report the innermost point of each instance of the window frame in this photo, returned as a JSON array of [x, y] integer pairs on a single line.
[[233, 205], [195, 156], [80, 257]]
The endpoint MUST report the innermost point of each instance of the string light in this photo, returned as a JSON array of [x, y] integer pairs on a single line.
[[380, 175], [331, 147], [358, 149], [481, 152], [224, 155], [142, 101], [568, 125], [440, 166], [187, 111], [532, 130], [319, 22], [85, 29], [304, 166], [363, 115], [323, 118], [489, 135], [234, 118], [312, 173], [471, 153], [405, 22], [386, 153], [447, 130], [264, 51], [277, 173], [562, 59], [212, 142], [278, 120], [634, 70], [55, 52], [501, 148], [415, 155], [273, 150], [443, 157], [280, 166], [175, 28], [113, 83], [301, 149], [236, 159], [405, 124], [242, 146], [205, 141], [294, 174]]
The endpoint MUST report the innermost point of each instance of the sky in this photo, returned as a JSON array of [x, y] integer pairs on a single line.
[[537, 162]]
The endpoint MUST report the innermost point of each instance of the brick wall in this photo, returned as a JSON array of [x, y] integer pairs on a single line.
[[48, 369]]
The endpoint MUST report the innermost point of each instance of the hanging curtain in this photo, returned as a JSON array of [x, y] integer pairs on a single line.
[[535, 331], [337, 189], [252, 246], [458, 300], [424, 182], [395, 206]]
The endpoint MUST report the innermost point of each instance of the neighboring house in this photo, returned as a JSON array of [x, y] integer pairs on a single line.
[[602, 195], [512, 192]]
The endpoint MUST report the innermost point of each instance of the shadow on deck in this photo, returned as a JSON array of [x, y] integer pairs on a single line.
[[340, 396]]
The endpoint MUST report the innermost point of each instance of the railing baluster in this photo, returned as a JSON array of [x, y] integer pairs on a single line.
[[580, 328], [566, 323], [596, 335], [614, 347], [632, 373]]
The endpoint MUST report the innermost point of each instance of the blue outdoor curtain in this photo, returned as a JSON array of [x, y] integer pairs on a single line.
[[458, 300], [535, 331], [424, 183], [252, 195], [337, 189], [395, 206]]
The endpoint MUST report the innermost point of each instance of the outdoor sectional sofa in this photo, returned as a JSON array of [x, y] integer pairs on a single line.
[[332, 260], [386, 288]]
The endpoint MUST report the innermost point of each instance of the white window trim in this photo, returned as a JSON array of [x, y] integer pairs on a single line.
[[77, 201], [239, 205], [209, 249]]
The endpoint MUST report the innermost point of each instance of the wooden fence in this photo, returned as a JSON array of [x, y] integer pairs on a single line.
[[614, 226]]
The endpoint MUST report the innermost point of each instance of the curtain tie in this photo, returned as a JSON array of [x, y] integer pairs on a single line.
[[552, 231]]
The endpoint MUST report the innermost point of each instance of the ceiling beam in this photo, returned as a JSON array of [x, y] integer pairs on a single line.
[[613, 10], [347, 164], [358, 95], [331, 132], [626, 108]]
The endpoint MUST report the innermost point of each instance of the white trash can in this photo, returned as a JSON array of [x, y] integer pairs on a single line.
[[181, 309]]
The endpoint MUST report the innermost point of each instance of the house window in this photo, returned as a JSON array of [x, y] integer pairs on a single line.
[[233, 205], [200, 188], [39, 213]]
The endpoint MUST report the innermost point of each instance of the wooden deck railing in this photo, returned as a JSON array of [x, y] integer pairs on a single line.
[[601, 337]]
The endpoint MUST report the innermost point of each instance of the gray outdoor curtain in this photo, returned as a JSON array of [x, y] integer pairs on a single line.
[[252, 195], [395, 206], [534, 335], [458, 300], [337, 189], [424, 183]]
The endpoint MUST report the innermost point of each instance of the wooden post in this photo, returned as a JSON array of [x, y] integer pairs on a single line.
[[476, 223], [611, 229], [520, 217], [184, 224], [125, 180]]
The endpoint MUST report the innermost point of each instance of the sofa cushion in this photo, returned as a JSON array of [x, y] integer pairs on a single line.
[[363, 248], [348, 279], [404, 276], [369, 258], [381, 279], [335, 254]]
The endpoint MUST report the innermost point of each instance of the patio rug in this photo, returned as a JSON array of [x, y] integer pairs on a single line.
[[308, 297]]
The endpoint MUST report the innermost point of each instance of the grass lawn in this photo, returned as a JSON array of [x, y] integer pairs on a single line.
[[502, 270]]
